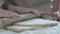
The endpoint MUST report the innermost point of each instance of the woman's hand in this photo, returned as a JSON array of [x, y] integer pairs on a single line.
[[10, 14], [22, 10]]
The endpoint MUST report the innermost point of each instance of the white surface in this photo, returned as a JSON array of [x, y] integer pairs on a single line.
[[2, 31], [51, 30], [36, 22]]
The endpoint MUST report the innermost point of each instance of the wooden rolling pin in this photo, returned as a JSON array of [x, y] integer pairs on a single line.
[[6, 21]]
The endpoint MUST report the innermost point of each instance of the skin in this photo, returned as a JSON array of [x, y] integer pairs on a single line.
[[11, 10], [55, 5], [55, 9], [21, 6], [8, 14]]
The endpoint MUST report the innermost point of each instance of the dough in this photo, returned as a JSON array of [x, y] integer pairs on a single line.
[[37, 22], [18, 28]]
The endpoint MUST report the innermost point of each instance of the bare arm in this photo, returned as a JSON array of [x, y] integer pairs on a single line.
[[8, 14], [22, 9], [55, 9], [55, 5]]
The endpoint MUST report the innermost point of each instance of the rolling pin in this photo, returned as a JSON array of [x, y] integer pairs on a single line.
[[7, 21]]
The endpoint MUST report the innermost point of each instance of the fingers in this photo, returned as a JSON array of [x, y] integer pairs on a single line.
[[34, 11], [5, 13], [37, 12], [23, 9]]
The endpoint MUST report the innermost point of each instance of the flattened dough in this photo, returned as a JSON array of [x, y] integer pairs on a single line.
[[18, 28], [37, 22]]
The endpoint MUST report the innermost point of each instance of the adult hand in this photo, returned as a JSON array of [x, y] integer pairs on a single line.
[[28, 10], [10, 14], [22, 10]]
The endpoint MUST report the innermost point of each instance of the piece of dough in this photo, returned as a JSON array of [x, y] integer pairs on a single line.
[[37, 22], [18, 28], [8, 21]]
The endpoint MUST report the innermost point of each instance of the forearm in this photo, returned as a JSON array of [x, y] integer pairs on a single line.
[[8, 14], [16, 8], [23, 10], [55, 9], [55, 5]]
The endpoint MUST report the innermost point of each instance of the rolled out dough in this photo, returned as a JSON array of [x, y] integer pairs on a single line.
[[18, 28], [37, 22]]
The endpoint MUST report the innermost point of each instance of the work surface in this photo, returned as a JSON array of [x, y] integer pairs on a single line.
[[44, 7], [48, 30]]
